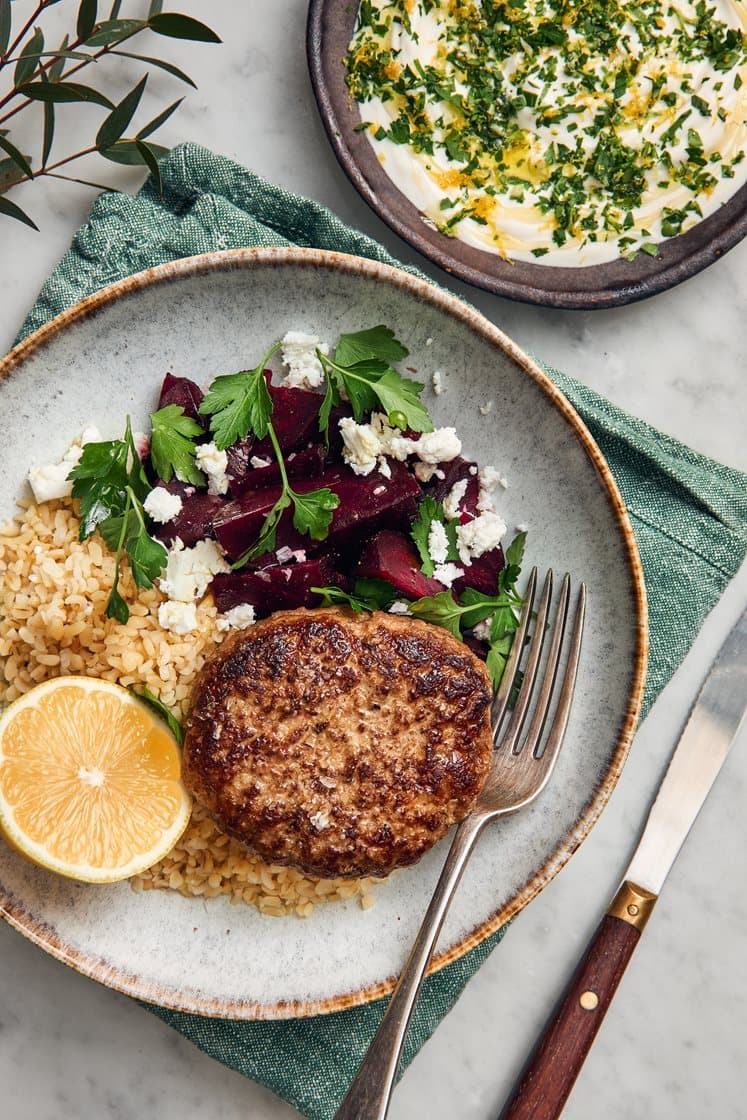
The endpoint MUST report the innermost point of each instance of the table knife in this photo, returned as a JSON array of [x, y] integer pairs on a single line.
[[713, 725]]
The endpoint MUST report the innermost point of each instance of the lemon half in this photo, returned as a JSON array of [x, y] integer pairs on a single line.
[[90, 780]]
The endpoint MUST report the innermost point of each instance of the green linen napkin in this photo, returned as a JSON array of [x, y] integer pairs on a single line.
[[689, 515]]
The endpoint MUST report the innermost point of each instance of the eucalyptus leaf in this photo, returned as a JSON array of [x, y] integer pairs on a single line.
[[151, 161], [21, 160], [10, 174], [6, 23], [114, 31], [55, 70], [127, 152], [12, 211], [62, 54], [64, 93], [158, 121], [176, 26], [28, 58], [116, 123], [48, 132], [87, 13], [167, 66]]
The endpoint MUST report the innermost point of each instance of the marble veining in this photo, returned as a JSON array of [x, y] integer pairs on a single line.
[[672, 1046]]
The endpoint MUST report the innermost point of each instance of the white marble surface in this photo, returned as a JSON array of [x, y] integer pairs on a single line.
[[673, 1043]]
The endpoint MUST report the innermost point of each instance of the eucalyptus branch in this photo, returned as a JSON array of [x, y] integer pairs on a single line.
[[39, 75]]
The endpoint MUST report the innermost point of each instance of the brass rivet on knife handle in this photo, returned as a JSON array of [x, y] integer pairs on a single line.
[[633, 905]]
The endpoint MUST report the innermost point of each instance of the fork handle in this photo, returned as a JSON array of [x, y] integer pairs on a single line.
[[370, 1091], [553, 1066]]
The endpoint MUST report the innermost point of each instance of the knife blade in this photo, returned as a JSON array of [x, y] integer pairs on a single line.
[[712, 728]]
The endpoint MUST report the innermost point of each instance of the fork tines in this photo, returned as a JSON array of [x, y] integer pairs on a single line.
[[542, 664]]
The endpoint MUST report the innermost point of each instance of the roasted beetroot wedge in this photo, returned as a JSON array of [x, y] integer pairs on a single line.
[[195, 519], [308, 463], [392, 556], [182, 391], [456, 471], [295, 418], [482, 573], [273, 589], [367, 503]]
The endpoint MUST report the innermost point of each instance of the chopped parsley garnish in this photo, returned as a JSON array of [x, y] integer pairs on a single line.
[[584, 105]]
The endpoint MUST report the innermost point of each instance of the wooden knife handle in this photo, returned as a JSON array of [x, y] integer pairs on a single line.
[[553, 1066]]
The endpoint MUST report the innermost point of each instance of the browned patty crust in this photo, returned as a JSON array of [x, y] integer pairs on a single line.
[[339, 743]]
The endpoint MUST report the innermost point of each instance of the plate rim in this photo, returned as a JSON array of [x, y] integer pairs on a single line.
[[683, 256], [250, 258]]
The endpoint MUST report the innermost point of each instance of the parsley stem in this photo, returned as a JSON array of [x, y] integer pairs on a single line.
[[279, 457]]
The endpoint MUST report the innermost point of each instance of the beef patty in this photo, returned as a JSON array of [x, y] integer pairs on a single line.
[[339, 743]]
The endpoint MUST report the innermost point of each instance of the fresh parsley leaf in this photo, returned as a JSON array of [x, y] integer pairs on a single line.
[[116, 606], [368, 595], [513, 556], [172, 447], [99, 482], [362, 372], [173, 724], [442, 610], [378, 342], [268, 533], [336, 597], [147, 557], [239, 403], [312, 512], [429, 511]]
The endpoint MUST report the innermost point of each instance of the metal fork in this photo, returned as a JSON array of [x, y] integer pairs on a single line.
[[520, 771]]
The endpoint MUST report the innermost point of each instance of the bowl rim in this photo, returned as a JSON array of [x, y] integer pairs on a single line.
[[595, 287], [229, 260]]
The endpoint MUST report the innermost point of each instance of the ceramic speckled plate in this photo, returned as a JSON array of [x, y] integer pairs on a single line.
[[212, 314]]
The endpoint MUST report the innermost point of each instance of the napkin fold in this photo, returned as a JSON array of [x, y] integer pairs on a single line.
[[689, 516]]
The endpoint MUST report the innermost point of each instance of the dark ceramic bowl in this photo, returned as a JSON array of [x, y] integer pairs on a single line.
[[330, 29]]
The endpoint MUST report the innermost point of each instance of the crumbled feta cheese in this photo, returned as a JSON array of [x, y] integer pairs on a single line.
[[258, 462], [299, 354], [284, 554], [319, 820], [447, 573], [50, 481], [385, 470], [424, 472], [437, 381], [379, 490], [488, 479], [523, 528], [161, 505], [362, 446], [486, 408], [438, 542], [214, 463], [399, 606], [299, 555], [440, 446], [178, 617], [239, 617], [482, 630], [189, 570], [454, 497], [479, 536]]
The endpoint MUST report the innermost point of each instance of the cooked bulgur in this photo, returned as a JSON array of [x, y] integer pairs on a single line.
[[53, 592]]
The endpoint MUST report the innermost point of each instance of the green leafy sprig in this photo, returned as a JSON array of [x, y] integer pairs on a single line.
[[429, 511], [239, 404], [111, 485], [172, 445], [169, 719], [38, 75], [361, 370], [461, 615], [368, 595]]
